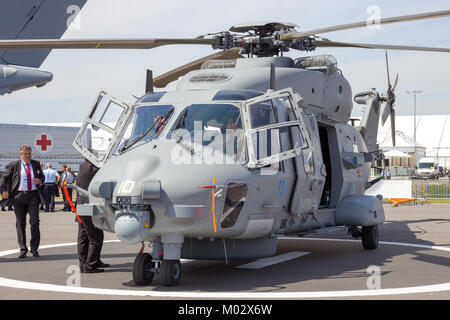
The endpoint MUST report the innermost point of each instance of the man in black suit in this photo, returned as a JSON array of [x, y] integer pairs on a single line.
[[24, 176], [90, 238]]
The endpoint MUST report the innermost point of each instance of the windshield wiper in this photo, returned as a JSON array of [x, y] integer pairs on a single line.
[[138, 138], [183, 143]]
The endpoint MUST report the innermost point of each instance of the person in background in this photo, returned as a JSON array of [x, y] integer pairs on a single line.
[[90, 238], [69, 180], [63, 177], [7, 202], [388, 174], [42, 194], [22, 178], [51, 184]]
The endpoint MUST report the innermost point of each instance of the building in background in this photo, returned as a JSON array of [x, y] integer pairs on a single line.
[[50, 143]]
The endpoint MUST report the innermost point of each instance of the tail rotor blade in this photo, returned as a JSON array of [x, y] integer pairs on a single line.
[[387, 69], [393, 127], [386, 113], [395, 83]]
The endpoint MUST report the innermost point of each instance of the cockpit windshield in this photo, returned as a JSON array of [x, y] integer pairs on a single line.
[[218, 126], [146, 124]]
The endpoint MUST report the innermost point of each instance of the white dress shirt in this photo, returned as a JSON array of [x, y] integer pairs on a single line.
[[23, 177]]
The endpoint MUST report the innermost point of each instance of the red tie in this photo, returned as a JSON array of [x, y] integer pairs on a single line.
[[28, 177]]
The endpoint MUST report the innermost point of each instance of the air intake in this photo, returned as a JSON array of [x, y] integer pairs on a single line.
[[219, 64], [210, 77]]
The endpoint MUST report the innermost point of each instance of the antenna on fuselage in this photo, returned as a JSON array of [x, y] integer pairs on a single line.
[[149, 82], [272, 77]]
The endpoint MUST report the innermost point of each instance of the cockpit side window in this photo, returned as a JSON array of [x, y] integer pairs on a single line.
[[273, 130], [152, 118], [262, 114]]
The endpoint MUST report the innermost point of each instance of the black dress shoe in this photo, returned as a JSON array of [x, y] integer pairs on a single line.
[[100, 264], [95, 270], [35, 253], [23, 254]]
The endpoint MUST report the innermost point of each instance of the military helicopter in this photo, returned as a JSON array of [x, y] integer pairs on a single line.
[[244, 151]]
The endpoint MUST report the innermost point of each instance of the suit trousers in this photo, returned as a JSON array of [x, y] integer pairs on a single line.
[[49, 191], [89, 244], [27, 203]]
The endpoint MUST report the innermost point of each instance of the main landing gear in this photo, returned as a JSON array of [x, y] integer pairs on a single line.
[[369, 236], [146, 265]]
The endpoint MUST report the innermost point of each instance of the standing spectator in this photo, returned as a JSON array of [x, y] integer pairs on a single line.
[[388, 174], [42, 194], [23, 177], [6, 202], [63, 177], [51, 184], [90, 238], [69, 180]]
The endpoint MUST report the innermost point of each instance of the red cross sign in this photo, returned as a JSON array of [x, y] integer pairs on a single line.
[[43, 142]]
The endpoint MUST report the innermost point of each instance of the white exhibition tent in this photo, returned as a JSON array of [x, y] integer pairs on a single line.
[[396, 153]]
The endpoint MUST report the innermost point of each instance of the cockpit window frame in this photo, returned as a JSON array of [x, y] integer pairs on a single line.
[[253, 161], [90, 121]]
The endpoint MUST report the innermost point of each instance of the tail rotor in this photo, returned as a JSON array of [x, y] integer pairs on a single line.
[[389, 98]]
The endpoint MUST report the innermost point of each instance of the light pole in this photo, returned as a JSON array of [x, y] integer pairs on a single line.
[[414, 92]]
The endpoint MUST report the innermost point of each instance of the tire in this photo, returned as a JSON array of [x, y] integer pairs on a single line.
[[143, 269], [170, 272], [370, 237]]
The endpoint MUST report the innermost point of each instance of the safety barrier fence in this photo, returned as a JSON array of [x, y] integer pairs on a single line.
[[431, 190]]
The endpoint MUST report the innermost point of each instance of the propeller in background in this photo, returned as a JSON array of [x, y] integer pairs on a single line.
[[389, 98]]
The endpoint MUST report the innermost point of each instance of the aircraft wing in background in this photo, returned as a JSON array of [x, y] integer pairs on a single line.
[[31, 19]]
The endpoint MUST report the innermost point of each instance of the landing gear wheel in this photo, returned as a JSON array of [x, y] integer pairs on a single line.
[[170, 272], [143, 269], [369, 237]]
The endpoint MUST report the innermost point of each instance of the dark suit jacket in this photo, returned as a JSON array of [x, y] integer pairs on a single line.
[[11, 177], [85, 175]]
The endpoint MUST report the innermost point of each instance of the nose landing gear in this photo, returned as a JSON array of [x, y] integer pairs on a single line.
[[144, 269]]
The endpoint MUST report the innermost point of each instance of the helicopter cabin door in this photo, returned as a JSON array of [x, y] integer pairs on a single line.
[[97, 136], [268, 121]]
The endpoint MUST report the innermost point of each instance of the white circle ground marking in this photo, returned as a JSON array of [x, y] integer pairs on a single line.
[[4, 282]]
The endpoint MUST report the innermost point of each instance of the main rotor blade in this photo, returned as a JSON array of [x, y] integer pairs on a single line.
[[387, 69], [101, 43], [172, 75], [329, 43], [411, 17]]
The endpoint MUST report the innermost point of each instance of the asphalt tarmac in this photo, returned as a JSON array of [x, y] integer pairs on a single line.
[[413, 262]]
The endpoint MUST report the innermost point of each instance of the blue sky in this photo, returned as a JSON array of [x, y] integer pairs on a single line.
[[80, 74]]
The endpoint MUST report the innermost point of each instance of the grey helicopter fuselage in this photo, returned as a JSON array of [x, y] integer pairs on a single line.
[[313, 177]]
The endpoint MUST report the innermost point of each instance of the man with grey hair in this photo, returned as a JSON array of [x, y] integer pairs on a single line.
[[23, 176]]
